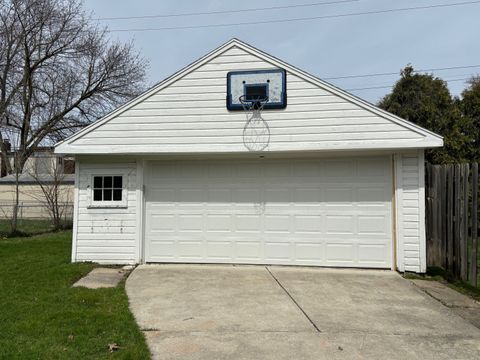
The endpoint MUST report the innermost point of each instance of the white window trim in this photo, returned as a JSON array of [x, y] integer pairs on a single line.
[[109, 204]]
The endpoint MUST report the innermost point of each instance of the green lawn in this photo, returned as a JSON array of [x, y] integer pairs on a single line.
[[42, 317], [26, 226]]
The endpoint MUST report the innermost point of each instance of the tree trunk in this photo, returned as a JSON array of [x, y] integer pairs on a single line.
[[15, 205], [4, 156]]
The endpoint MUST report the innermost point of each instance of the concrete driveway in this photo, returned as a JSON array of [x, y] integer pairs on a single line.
[[257, 312]]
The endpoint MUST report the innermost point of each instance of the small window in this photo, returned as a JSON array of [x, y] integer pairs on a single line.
[[256, 92], [107, 188]]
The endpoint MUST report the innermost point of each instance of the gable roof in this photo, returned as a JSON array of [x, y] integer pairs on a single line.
[[430, 139]]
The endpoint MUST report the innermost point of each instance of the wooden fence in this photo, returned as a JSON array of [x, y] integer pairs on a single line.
[[452, 212]]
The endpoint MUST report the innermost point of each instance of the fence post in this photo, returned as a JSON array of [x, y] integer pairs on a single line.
[[436, 216], [474, 260], [443, 216], [432, 219], [456, 237], [464, 225], [450, 209], [428, 208]]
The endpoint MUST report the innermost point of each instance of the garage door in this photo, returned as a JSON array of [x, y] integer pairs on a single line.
[[326, 212]]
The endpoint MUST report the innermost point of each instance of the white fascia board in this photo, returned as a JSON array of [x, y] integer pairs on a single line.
[[207, 150]]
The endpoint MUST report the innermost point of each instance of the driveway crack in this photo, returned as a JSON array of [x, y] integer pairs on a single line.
[[294, 301]]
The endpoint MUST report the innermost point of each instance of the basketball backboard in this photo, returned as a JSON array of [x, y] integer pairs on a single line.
[[253, 85]]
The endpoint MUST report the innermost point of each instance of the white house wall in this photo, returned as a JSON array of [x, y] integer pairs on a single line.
[[410, 200], [106, 235], [190, 115]]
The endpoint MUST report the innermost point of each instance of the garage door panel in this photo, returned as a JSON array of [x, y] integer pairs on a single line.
[[219, 196], [339, 224], [277, 223], [340, 169], [190, 223], [277, 195], [218, 223], [306, 169], [372, 253], [307, 196], [219, 250], [247, 223], [277, 250], [332, 212], [248, 250], [276, 173], [372, 224], [339, 196], [372, 195], [340, 253], [374, 166], [162, 223], [246, 195], [309, 252], [307, 224], [162, 250]]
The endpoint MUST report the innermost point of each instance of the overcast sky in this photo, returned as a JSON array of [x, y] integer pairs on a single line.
[[342, 46]]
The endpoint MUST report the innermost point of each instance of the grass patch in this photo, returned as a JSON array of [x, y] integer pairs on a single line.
[[439, 274], [27, 227], [43, 317]]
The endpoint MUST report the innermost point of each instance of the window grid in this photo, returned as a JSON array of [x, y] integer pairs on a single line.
[[107, 188]]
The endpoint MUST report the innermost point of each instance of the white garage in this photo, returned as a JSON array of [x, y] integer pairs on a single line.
[[330, 212], [242, 158]]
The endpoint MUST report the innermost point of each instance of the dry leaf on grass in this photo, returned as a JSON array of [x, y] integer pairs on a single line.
[[112, 347]]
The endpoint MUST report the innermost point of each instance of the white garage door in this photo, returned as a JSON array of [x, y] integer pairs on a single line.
[[325, 212]]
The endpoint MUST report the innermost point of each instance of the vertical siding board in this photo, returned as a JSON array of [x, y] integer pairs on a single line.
[[421, 203], [429, 205], [75, 210], [450, 209], [399, 212], [464, 246], [140, 212], [434, 217], [457, 232], [443, 216], [410, 184]]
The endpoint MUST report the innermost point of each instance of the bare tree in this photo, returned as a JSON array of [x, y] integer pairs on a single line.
[[58, 72], [54, 194]]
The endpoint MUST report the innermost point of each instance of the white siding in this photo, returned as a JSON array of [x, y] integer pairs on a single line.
[[410, 212], [106, 235], [190, 115]]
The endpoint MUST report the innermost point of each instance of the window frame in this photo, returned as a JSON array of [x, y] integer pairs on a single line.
[[108, 203]]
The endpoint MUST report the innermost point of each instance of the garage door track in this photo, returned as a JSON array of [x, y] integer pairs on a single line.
[[256, 312]]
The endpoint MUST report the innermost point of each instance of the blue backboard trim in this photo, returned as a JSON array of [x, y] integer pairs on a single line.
[[269, 105]]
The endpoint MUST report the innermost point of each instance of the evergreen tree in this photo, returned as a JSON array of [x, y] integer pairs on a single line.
[[426, 101]]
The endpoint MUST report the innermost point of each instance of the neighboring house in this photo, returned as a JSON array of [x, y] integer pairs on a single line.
[[39, 168], [172, 176]]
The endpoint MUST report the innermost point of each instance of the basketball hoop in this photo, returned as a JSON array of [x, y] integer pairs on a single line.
[[256, 133]]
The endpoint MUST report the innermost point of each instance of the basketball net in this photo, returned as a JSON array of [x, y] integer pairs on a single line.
[[256, 133]]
